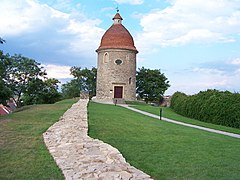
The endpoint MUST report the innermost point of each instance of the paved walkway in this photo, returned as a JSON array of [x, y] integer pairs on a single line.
[[82, 157], [184, 124]]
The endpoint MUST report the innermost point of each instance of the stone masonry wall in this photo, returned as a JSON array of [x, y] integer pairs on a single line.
[[110, 74], [82, 157]]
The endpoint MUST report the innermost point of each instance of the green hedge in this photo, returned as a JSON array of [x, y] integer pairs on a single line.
[[211, 106]]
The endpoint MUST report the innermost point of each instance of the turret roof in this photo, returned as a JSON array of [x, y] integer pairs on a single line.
[[117, 37]]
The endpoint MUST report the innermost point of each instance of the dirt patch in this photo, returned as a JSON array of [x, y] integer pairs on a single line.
[[3, 131], [23, 108], [5, 121]]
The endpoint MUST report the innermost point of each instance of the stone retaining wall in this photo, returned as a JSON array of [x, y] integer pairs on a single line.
[[82, 157]]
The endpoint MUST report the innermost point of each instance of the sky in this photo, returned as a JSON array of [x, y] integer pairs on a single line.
[[195, 43]]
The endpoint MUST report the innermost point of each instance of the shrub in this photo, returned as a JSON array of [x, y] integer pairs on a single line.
[[213, 106]]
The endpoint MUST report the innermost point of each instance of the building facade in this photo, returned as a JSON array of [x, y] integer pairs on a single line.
[[116, 66]]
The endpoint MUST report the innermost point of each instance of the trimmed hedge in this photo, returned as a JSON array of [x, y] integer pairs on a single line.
[[211, 106]]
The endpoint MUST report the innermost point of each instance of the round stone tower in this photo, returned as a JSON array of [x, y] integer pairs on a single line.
[[116, 68]]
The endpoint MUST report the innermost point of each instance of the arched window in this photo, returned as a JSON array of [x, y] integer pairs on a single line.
[[105, 57], [127, 57], [130, 80]]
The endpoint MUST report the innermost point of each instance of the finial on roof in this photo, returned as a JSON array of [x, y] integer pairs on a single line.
[[117, 18], [117, 9]]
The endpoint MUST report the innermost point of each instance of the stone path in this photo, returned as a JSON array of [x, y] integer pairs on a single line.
[[82, 157], [184, 124]]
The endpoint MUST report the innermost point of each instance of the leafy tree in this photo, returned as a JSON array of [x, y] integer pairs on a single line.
[[71, 89], [50, 91], [33, 93], [151, 84], [39, 92], [20, 72], [5, 92], [21, 76], [86, 78]]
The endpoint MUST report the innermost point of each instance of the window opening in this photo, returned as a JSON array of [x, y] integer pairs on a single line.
[[130, 80], [105, 57], [118, 61]]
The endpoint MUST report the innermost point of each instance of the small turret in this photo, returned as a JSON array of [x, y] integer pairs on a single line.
[[117, 19]]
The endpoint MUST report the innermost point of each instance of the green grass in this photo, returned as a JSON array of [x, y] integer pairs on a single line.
[[165, 150], [23, 154], [169, 113]]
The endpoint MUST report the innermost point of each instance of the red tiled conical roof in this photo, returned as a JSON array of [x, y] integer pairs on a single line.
[[117, 37], [117, 16]]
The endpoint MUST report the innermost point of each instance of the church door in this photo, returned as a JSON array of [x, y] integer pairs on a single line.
[[118, 92]]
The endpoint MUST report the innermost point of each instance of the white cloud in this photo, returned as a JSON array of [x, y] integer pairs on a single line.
[[47, 28], [22, 16], [58, 71], [235, 61], [105, 9], [209, 78], [187, 21], [133, 2], [65, 5], [208, 71], [199, 79], [86, 33]]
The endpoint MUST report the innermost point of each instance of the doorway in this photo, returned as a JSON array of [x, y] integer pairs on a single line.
[[118, 91]]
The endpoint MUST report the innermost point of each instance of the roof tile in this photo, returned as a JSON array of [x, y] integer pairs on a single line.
[[117, 37]]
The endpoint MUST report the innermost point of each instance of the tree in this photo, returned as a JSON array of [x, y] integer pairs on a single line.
[[50, 91], [86, 78], [23, 77], [19, 73], [33, 93], [151, 84], [71, 89], [5, 92], [39, 92]]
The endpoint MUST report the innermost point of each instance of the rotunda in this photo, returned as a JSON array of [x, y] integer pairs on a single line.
[[116, 66]]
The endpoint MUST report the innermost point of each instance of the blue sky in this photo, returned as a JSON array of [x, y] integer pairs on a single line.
[[196, 44]]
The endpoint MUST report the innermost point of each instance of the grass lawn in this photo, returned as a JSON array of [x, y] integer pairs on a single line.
[[165, 150], [23, 154], [169, 113]]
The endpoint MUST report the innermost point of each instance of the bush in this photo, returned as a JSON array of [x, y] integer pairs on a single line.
[[211, 106]]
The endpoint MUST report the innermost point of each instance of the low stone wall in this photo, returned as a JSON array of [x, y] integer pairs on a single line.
[[84, 95], [82, 157]]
